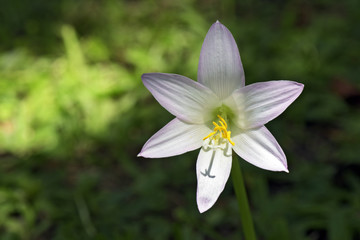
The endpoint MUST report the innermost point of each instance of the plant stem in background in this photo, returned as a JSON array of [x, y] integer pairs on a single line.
[[240, 192]]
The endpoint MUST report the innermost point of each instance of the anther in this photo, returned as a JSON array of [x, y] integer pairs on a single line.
[[222, 130]]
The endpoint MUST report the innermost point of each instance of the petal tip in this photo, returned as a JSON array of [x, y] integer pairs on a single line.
[[284, 165], [143, 153], [300, 85], [279, 169], [143, 75], [204, 204], [147, 76], [300, 88], [217, 25], [146, 154], [201, 210]]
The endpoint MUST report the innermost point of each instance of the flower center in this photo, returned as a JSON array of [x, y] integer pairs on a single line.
[[220, 132]]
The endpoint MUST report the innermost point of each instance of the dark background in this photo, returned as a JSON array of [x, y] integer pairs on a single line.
[[74, 115]]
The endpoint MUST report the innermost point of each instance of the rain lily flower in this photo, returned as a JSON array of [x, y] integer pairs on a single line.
[[218, 114]]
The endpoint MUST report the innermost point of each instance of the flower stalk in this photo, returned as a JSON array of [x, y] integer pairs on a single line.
[[240, 192]]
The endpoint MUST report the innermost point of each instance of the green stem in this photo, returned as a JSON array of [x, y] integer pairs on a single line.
[[240, 192]]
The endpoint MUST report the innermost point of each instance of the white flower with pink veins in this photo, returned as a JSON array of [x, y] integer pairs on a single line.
[[218, 114]]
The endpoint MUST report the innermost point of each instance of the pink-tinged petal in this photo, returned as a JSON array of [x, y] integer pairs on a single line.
[[260, 103], [220, 66], [186, 99], [174, 138], [260, 148], [213, 168]]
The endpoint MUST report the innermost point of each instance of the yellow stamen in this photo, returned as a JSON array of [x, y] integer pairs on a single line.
[[221, 119], [222, 130], [222, 125], [216, 124], [209, 135], [228, 138]]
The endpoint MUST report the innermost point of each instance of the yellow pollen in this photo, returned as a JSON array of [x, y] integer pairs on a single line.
[[221, 129]]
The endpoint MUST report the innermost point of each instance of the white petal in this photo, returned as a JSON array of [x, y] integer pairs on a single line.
[[260, 103], [186, 99], [260, 148], [220, 66], [174, 138], [213, 168]]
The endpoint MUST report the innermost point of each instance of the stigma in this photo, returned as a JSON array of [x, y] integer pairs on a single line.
[[220, 133]]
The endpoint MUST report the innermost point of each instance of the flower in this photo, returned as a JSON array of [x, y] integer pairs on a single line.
[[206, 111]]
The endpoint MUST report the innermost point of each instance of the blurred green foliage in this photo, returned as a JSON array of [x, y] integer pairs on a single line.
[[74, 114]]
